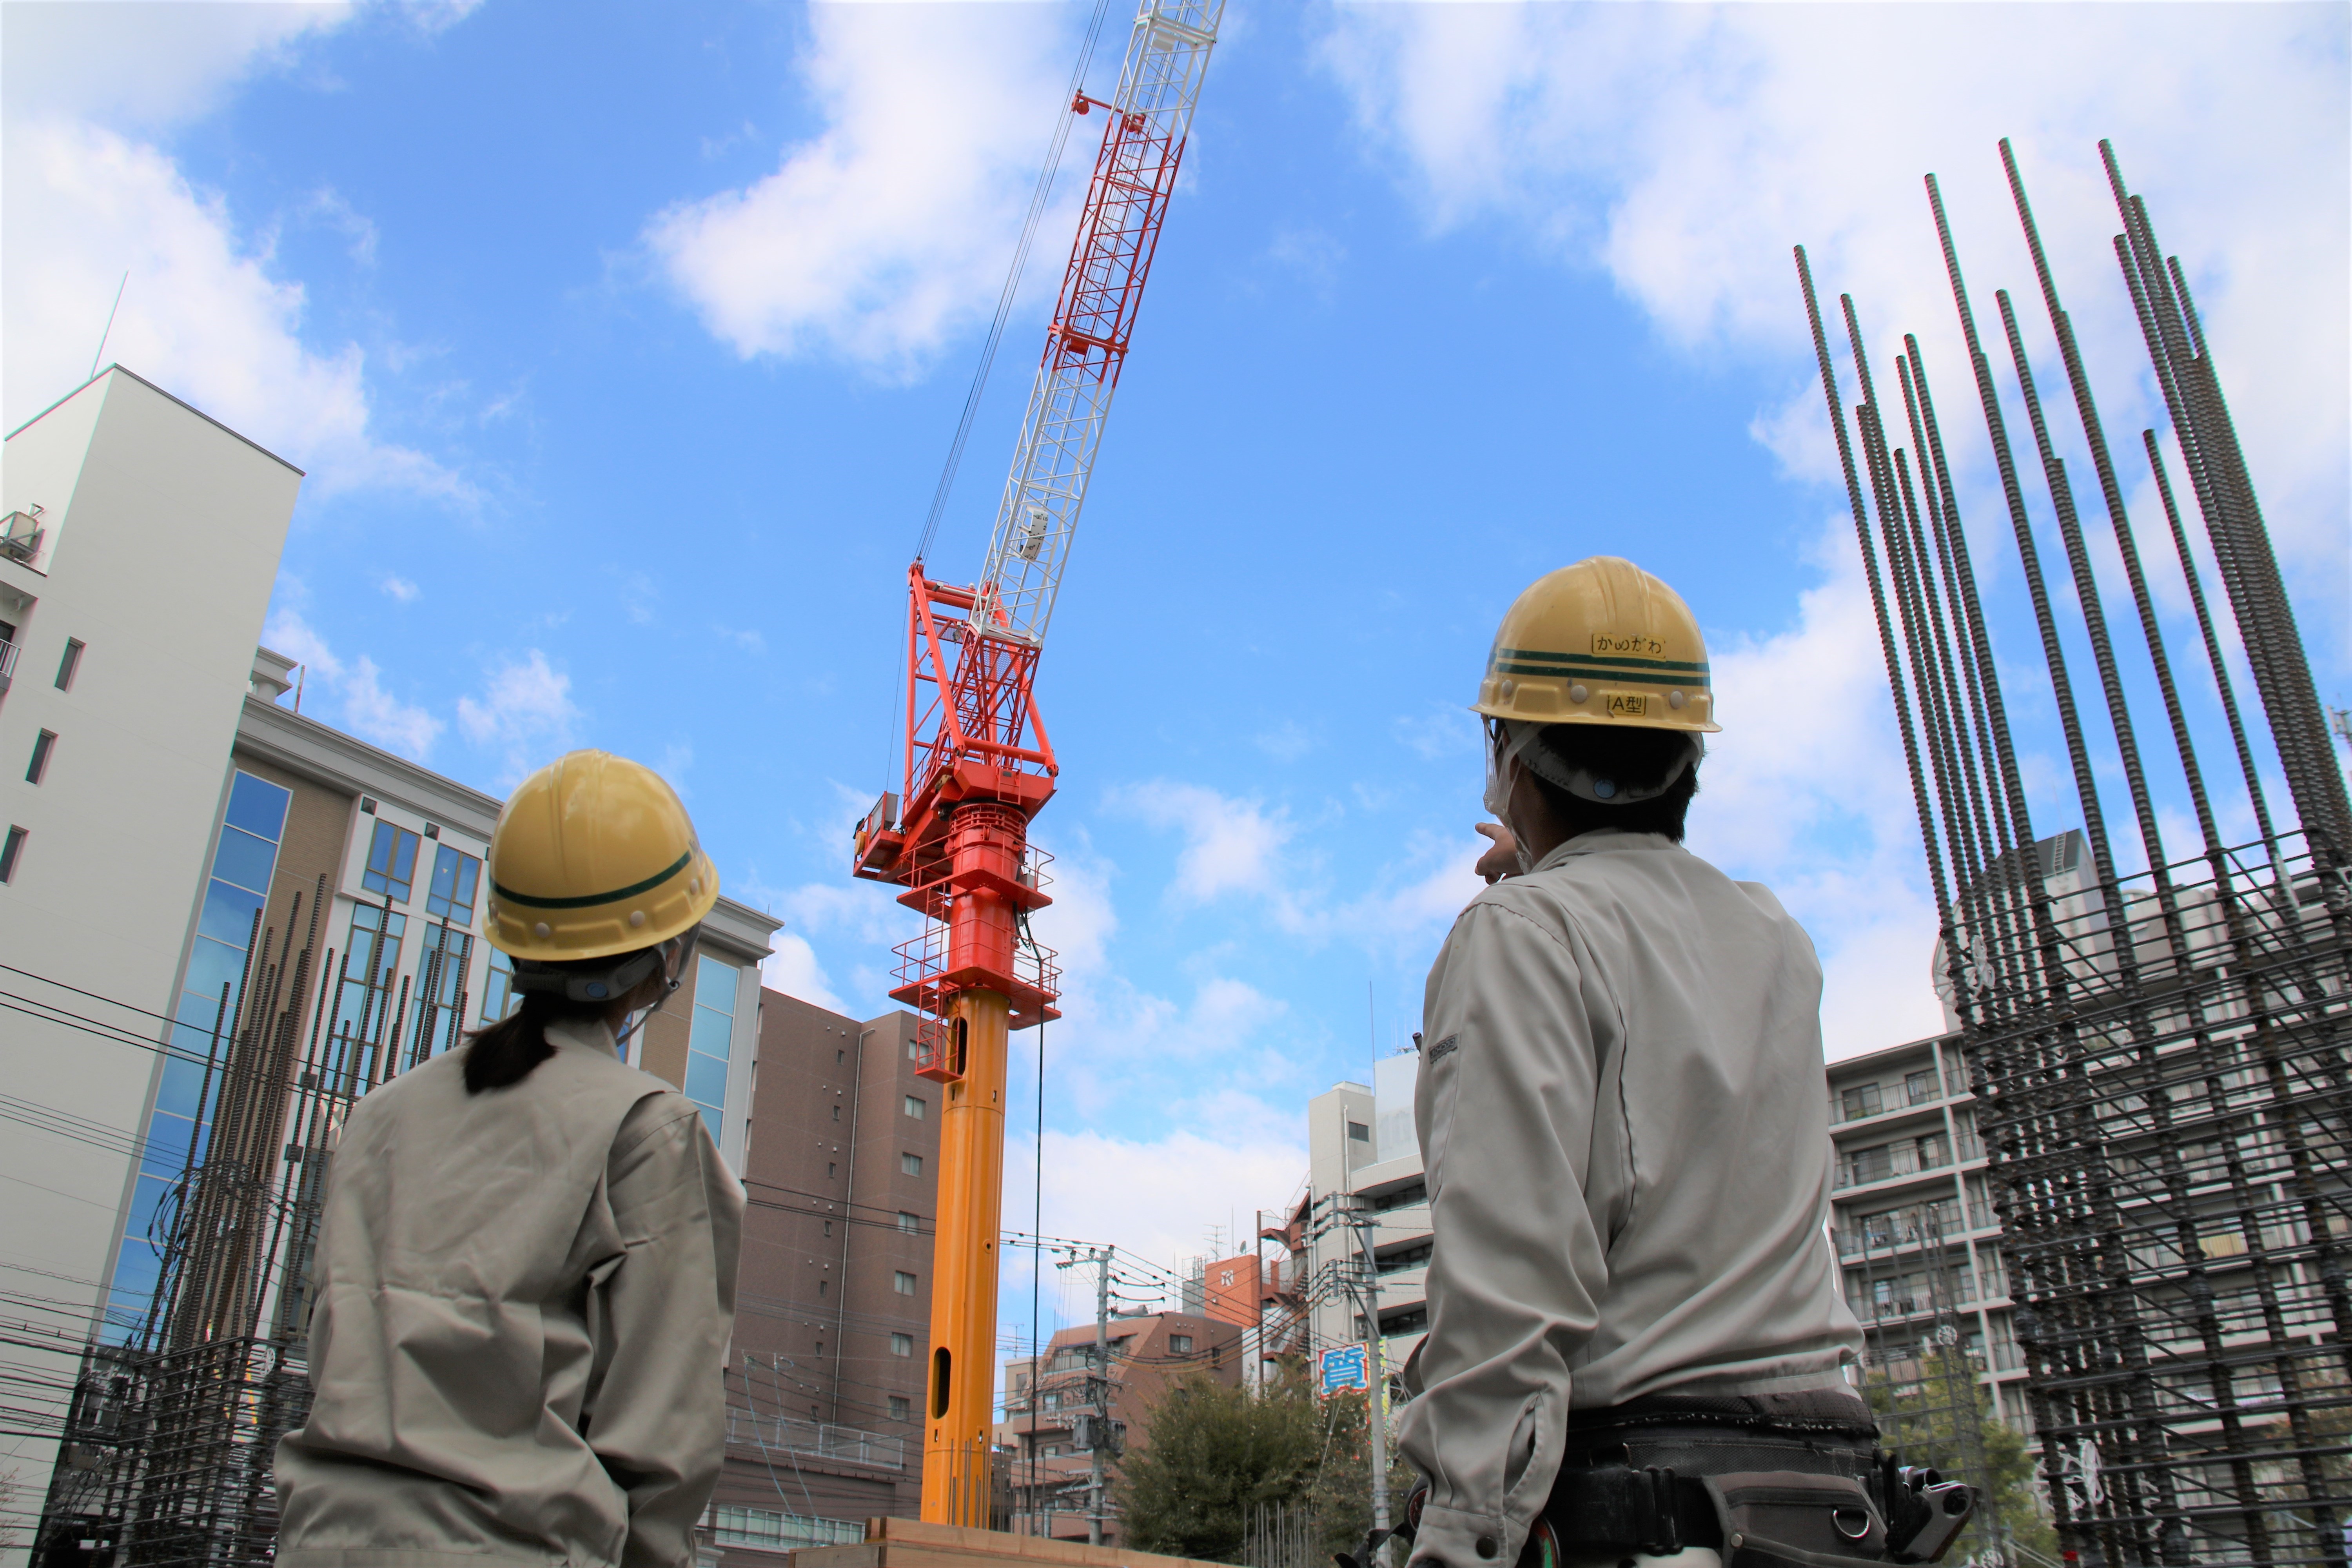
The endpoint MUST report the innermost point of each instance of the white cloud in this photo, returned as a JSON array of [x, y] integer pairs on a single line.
[[366, 709], [527, 708], [203, 313], [1231, 846], [1158, 1197], [1683, 150], [890, 230], [793, 969], [401, 588]]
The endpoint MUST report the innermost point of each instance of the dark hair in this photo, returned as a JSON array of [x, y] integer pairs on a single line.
[[1635, 758], [508, 1051]]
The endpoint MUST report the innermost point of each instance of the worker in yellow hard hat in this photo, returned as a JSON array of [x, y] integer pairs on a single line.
[[525, 1277], [1621, 1122]]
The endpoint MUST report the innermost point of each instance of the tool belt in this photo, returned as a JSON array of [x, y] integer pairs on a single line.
[[1781, 1480]]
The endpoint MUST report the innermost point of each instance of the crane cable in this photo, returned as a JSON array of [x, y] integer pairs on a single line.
[[1012, 283]]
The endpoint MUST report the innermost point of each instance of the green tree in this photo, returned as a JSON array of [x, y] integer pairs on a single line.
[[1934, 1412], [1209, 1454]]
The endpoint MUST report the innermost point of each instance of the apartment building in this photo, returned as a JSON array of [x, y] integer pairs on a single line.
[[1917, 1238], [1146, 1352], [138, 542], [1363, 1160], [833, 1301]]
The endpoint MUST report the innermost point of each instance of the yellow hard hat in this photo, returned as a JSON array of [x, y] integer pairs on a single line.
[[1600, 642], [593, 856]]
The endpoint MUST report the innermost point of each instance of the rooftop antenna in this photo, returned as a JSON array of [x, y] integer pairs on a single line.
[[101, 354]]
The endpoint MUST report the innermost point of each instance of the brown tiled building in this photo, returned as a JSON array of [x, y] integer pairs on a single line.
[[834, 1299], [1146, 1353]]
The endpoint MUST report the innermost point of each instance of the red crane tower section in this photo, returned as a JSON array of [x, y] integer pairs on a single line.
[[978, 763]]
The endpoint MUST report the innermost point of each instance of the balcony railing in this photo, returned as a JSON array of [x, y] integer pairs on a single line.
[[845, 1444]]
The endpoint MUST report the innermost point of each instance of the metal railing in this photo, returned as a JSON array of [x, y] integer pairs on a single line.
[[846, 1445]]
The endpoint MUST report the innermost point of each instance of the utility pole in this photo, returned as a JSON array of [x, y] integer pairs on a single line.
[[1349, 1214], [1098, 1429], [1098, 1384]]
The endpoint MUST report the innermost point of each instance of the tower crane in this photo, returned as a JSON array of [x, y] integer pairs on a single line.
[[977, 762]]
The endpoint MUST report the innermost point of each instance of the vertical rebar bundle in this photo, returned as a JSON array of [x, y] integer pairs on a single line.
[[169, 1441], [2163, 1058]]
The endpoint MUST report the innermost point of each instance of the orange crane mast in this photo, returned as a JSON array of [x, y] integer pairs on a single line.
[[977, 764]]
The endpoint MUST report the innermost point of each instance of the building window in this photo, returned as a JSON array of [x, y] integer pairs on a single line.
[[1862, 1101], [363, 1016], [70, 665], [1921, 1087], [916, 1106], [244, 859], [440, 992], [829, 1169], [1358, 1134], [391, 862], [710, 1038], [912, 1165], [450, 894], [836, 1113], [902, 1344], [43, 744], [820, 1288], [499, 995], [903, 1283], [9, 851], [1180, 1344], [901, 1408], [828, 1227], [909, 1222], [912, 1054]]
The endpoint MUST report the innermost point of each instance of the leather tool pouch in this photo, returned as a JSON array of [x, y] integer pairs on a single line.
[[1788, 1519]]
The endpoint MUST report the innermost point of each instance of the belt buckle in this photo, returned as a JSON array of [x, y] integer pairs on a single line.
[[1667, 1520]]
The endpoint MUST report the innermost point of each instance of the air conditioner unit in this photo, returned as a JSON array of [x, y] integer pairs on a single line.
[[20, 535]]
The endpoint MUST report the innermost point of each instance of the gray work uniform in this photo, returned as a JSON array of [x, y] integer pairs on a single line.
[[524, 1303], [1621, 1117]]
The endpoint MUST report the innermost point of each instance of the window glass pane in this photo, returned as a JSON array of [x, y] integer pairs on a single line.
[[452, 893], [259, 806], [244, 859], [391, 861], [166, 1154], [714, 984], [710, 1120], [711, 1032], [706, 1079], [212, 965], [498, 996], [228, 914], [183, 1082]]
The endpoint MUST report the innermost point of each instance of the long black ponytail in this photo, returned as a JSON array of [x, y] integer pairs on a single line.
[[500, 1055]]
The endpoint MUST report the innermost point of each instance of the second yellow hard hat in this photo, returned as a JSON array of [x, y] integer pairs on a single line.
[[1600, 642]]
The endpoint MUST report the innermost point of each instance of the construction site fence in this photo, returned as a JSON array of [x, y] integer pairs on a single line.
[[972, 1483], [1282, 1535]]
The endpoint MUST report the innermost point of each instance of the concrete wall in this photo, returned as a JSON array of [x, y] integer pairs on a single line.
[[163, 535]]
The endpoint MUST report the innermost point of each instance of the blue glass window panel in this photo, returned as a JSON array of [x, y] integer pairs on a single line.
[[710, 1120], [498, 996], [243, 860], [167, 1145], [456, 874], [712, 1033], [714, 985], [135, 1272], [184, 1082], [143, 1199], [391, 862], [228, 914], [210, 966], [259, 806], [706, 1079]]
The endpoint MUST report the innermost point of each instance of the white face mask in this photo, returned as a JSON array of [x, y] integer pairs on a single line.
[[1503, 749]]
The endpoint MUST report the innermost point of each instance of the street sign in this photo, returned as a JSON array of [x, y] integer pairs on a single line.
[[1345, 1366]]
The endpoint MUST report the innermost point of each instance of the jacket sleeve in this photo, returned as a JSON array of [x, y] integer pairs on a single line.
[[1505, 1110], [663, 1311]]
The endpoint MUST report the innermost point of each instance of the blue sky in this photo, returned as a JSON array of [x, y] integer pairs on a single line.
[[623, 344]]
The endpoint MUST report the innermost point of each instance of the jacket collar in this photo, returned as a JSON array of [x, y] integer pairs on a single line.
[[582, 1034], [1603, 841]]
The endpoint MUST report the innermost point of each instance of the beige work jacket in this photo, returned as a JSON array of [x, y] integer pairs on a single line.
[[1622, 1116], [524, 1303]]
